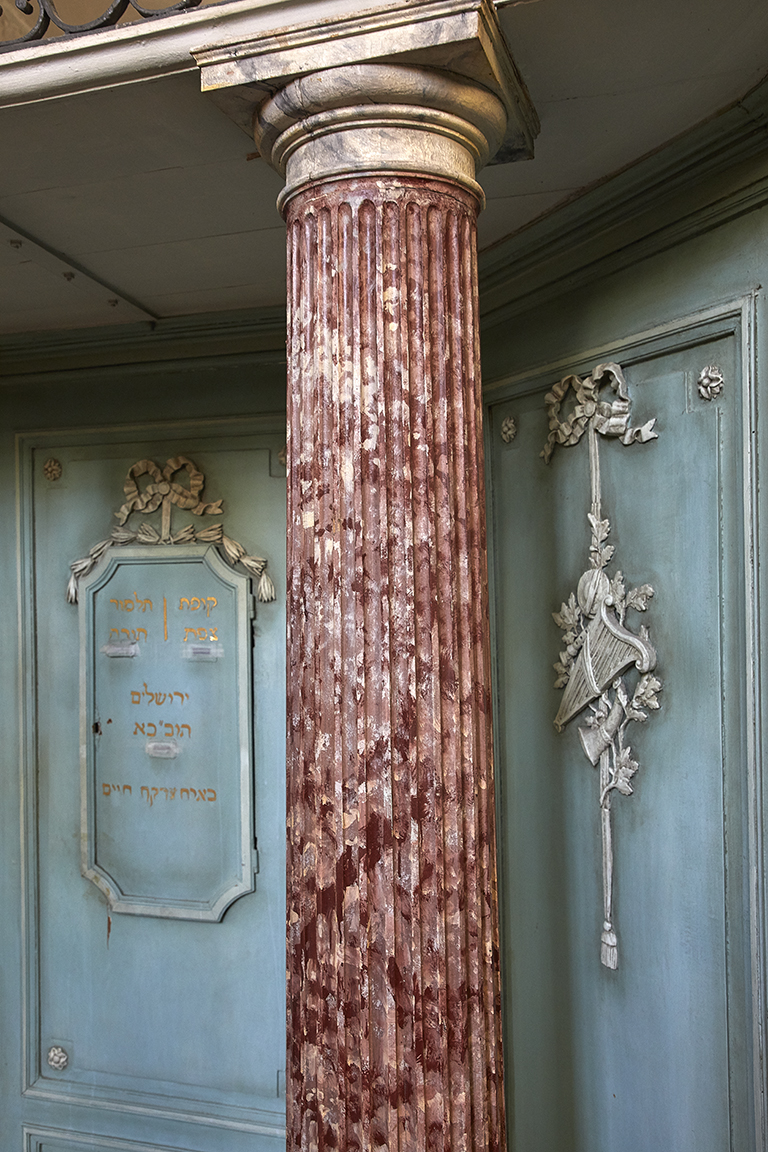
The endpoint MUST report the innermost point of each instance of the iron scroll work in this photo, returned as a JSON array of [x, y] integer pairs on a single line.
[[599, 649], [166, 739], [47, 15]]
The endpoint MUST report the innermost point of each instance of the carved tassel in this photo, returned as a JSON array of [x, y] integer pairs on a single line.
[[609, 946]]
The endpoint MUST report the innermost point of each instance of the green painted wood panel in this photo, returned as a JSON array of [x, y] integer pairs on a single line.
[[658, 1053], [174, 1030]]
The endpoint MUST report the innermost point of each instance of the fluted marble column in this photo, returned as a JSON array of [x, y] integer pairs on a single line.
[[394, 1028], [393, 951]]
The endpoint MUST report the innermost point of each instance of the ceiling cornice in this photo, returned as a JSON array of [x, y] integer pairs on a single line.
[[641, 210], [188, 339], [710, 175]]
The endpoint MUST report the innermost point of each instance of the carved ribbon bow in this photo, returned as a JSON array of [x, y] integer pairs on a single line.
[[165, 491], [609, 419]]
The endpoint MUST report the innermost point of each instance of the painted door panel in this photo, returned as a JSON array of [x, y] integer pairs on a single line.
[[174, 1030], [656, 1054]]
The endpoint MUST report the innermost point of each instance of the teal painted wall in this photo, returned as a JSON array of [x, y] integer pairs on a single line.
[[55, 945], [665, 1052], [661, 1054]]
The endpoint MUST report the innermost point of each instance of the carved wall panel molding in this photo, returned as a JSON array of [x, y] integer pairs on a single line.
[[600, 651]]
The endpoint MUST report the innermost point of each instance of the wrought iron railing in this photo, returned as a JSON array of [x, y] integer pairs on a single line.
[[47, 16]]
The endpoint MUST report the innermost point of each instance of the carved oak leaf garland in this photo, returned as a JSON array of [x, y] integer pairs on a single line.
[[163, 493], [599, 649]]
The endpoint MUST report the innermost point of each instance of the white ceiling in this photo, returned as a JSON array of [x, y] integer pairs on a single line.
[[148, 187]]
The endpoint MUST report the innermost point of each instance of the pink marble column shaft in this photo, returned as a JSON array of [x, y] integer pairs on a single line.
[[394, 1027]]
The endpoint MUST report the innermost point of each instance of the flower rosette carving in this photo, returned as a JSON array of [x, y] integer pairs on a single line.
[[508, 429], [711, 382], [52, 469], [57, 1058]]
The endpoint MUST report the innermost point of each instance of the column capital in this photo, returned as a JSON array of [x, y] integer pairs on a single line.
[[427, 87]]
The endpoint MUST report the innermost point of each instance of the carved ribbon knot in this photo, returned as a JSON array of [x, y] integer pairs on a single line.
[[164, 490], [609, 419]]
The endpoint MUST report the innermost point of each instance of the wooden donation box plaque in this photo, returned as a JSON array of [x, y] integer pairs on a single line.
[[166, 739]]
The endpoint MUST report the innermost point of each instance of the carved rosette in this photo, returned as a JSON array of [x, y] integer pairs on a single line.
[[57, 1058], [394, 1017]]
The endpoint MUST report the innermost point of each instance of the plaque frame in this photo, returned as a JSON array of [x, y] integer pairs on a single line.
[[209, 906]]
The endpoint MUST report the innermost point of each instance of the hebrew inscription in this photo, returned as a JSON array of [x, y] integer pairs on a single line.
[[166, 734], [600, 650]]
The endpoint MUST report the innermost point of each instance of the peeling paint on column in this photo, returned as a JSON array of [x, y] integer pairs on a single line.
[[394, 1024]]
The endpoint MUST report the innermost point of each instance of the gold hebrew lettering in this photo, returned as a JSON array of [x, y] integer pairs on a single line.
[[128, 605], [158, 701], [188, 728], [211, 601], [116, 632], [172, 793], [127, 788], [117, 602], [147, 692], [167, 733], [211, 797], [182, 602], [154, 729], [155, 791], [214, 634], [194, 604], [179, 694], [105, 789], [181, 794], [127, 633], [166, 792], [139, 632], [201, 794], [139, 728], [149, 798], [135, 697], [187, 632]]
